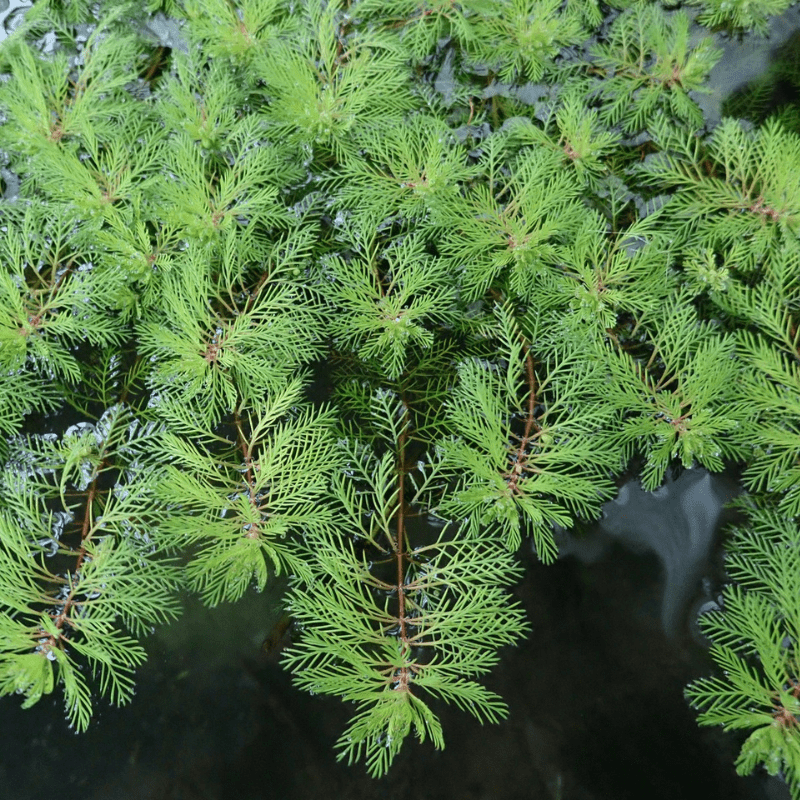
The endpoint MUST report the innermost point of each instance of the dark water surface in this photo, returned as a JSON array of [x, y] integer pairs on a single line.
[[595, 693]]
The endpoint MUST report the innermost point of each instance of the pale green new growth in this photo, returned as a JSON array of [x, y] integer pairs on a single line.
[[320, 88], [414, 170], [650, 69], [520, 39]]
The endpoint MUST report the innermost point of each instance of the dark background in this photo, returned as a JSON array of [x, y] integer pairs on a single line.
[[595, 696]]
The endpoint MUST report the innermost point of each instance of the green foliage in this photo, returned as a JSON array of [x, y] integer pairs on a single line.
[[739, 15], [754, 640], [682, 403], [322, 86], [501, 296], [385, 643], [528, 450], [413, 170], [238, 32], [508, 226], [577, 134], [384, 310], [422, 25], [520, 39], [241, 501], [649, 68], [774, 383], [219, 340], [738, 191], [49, 306], [80, 562], [53, 104]]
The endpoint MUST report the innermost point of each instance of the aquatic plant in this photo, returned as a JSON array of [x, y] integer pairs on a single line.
[[319, 275]]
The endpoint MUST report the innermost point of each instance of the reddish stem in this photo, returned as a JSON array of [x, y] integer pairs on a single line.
[[521, 458]]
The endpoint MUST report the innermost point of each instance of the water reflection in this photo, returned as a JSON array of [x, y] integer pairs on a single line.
[[677, 523], [595, 697], [11, 13]]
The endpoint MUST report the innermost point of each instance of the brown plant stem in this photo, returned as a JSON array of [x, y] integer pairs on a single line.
[[521, 458], [63, 615], [400, 539]]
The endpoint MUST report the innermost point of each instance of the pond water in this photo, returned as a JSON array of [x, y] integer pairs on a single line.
[[11, 13], [595, 694]]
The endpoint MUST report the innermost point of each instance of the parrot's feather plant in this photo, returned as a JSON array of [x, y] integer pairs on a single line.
[[333, 291]]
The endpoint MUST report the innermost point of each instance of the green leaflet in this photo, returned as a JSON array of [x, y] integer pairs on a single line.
[[386, 643]]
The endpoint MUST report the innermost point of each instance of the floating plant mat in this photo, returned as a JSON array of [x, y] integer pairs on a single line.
[[373, 316]]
